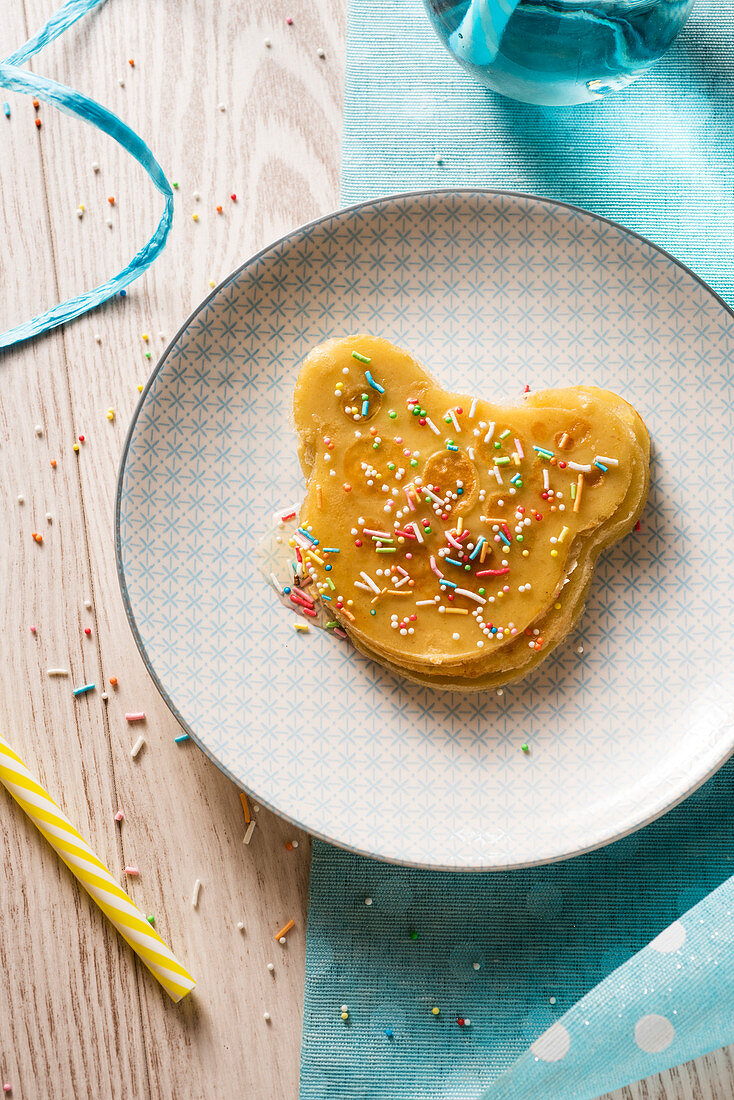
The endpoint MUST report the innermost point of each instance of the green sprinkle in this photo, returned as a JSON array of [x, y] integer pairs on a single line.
[[503, 461], [375, 446], [147, 355], [525, 748], [151, 920], [504, 434], [467, 569], [391, 465], [482, 591], [330, 583], [372, 611], [385, 549], [175, 186], [427, 530], [331, 624], [416, 411], [355, 354], [519, 538], [423, 412], [497, 446], [573, 490], [392, 414], [447, 420], [414, 462], [365, 396], [413, 934]]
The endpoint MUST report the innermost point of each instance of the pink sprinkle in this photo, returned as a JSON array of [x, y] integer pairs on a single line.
[[7, 1087], [341, 633], [435, 568], [453, 541], [132, 871], [119, 815], [291, 515], [33, 630], [289, 21], [492, 572], [136, 716], [409, 499]]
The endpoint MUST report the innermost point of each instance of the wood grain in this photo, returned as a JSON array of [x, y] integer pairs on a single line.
[[80, 1017]]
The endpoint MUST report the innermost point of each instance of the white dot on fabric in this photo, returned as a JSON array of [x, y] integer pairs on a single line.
[[654, 1033], [552, 1045], [670, 939]]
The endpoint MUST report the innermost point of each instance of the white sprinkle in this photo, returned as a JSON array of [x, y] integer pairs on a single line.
[[473, 408], [490, 432], [108, 222], [196, 196], [121, 82], [320, 52], [295, 843], [368, 901], [256, 809], [38, 429], [267, 43], [496, 471], [21, 498], [161, 335], [606, 460], [452, 414], [49, 517], [368, 580], [57, 672], [241, 925], [579, 466], [455, 636], [500, 691], [471, 595], [98, 338], [95, 166], [79, 212], [546, 478], [432, 426], [476, 966], [88, 603], [276, 584], [222, 106], [266, 1016], [137, 746], [424, 603], [250, 831], [438, 159], [195, 895], [271, 968], [580, 649], [470, 452], [105, 696]]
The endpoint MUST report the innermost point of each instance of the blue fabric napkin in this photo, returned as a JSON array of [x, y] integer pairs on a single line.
[[514, 952]]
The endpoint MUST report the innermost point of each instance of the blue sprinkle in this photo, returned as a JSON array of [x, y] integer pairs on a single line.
[[388, 1032], [477, 548], [287, 590], [459, 491], [450, 584], [365, 408], [330, 550], [308, 535], [327, 568], [6, 110], [83, 689], [181, 737], [123, 294], [451, 447], [542, 451], [375, 385], [323, 596], [455, 562], [602, 467], [504, 538], [515, 478]]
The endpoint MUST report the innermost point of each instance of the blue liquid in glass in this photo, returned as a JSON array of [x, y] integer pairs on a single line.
[[557, 51]]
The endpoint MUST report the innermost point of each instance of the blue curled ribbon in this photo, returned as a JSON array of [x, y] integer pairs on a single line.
[[74, 103]]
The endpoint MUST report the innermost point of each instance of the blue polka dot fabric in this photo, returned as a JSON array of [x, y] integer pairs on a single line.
[[565, 981]]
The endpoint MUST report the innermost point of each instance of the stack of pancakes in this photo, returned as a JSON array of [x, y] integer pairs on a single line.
[[454, 539]]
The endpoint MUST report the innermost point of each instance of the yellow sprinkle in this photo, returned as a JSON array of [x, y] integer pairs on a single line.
[[557, 606], [81, 207], [318, 496], [554, 553], [459, 526], [301, 628], [76, 446], [110, 414], [435, 1010], [145, 336], [140, 388], [516, 458], [454, 610], [195, 217], [212, 283], [313, 556], [563, 534], [345, 1015]]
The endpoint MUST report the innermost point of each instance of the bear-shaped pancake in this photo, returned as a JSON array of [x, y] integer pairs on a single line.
[[452, 538]]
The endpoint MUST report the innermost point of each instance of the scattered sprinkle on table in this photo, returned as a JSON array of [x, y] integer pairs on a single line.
[[525, 748], [150, 920], [245, 807], [368, 901], [283, 932], [266, 1017], [250, 831], [135, 716], [195, 895], [137, 746], [271, 968], [241, 925], [181, 738], [133, 871], [119, 815], [80, 690], [435, 1011]]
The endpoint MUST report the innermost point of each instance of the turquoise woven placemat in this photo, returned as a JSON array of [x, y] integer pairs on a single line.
[[660, 159]]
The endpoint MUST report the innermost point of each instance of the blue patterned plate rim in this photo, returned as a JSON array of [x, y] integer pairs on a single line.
[[343, 213]]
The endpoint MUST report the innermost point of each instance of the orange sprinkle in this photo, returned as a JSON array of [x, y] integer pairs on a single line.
[[219, 210], [483, 554], [36, 104], [131, 62], [245, 807], [579, 491], [318, 496], [111, 200], [288, 846], [113, 681], [37, 537], [38, 124], [53, 463], [347, 487], [348, 614], [284, 930]]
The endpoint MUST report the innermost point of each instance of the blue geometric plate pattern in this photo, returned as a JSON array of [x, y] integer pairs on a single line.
[[491, 291]]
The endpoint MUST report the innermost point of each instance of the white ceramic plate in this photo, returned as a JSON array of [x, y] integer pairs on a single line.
[[491, 291]]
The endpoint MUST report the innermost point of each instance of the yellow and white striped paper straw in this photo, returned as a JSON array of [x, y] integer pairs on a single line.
[[117, 906]]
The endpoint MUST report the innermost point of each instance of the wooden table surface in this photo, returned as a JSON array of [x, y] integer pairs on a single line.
[[80, 1016]]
